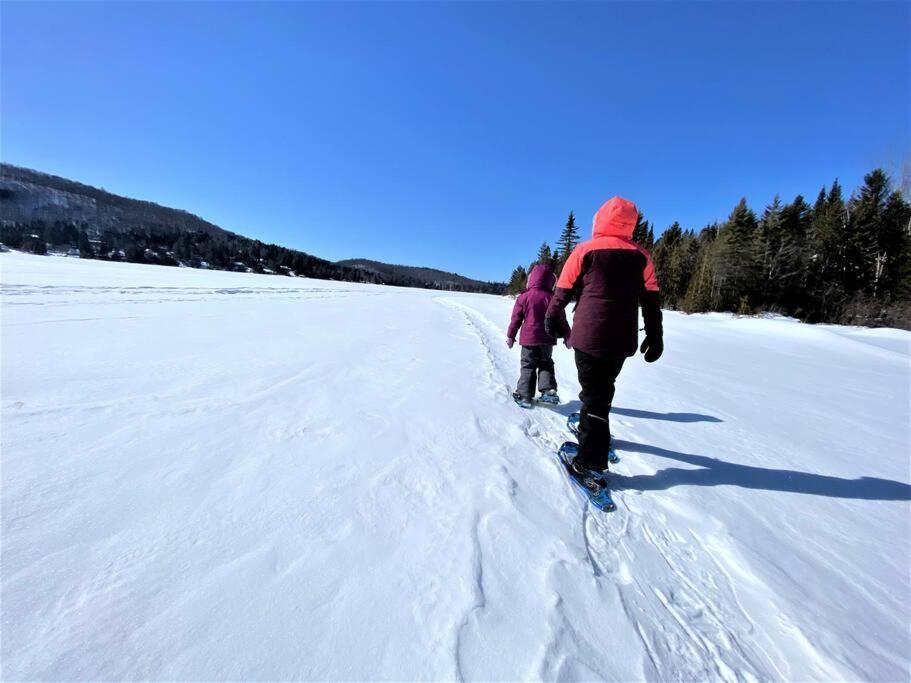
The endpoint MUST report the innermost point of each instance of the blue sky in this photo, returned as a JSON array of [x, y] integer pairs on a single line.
[[453, 135]]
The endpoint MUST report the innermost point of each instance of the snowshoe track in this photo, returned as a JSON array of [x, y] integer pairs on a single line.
[[686, 632]]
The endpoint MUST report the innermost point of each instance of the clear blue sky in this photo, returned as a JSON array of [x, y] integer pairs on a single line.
[[453, 135]]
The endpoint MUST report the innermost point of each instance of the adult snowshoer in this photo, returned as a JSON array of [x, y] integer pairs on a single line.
[[611, 276], [537, 345]]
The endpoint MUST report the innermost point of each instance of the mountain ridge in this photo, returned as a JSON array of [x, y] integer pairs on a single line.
[[401, 270], [41, 212]]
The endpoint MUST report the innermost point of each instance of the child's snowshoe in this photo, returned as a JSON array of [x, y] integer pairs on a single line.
[[520, 401], [549, 396], [572, 423]]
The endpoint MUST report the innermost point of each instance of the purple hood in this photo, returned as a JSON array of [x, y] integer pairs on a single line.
[[542, 277]]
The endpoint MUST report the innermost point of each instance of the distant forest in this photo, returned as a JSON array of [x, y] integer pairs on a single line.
[[174, 247], [837, 260]]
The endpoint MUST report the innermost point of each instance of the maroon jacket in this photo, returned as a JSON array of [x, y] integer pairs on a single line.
[[531, 307], [612, 276]]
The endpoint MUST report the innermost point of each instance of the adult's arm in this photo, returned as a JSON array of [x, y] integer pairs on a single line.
[[650, 300], [555, 320]]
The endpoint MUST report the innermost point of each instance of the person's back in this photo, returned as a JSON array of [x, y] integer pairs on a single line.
[[533, 303], [529, 313], [612, 276]]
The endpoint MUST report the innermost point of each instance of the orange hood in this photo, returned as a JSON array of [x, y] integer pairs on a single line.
[[616, 218]]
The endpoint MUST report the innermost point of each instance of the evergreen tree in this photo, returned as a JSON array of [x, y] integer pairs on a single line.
[[661, 256], [544, 254], [896, 277], [37, 245], [771, 251], [135, 254], [569, 238], [517, 281], [826, 271], [85, 247], [735, 265], [701, 292], [876, 237], [792, 264], [674, 264], [640, 232]]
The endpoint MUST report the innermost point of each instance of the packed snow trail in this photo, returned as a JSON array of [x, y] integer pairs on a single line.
[[213, 475]]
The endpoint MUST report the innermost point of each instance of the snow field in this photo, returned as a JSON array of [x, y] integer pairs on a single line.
[[213, 475]]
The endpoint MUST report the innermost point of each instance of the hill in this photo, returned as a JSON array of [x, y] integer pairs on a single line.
[[27, 195], [42, 213], [428, 277]]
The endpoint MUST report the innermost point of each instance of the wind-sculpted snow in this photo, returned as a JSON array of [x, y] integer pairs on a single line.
[[211, 476]]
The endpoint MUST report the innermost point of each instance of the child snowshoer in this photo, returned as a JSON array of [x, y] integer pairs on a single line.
[[612, 276], [537, 344]]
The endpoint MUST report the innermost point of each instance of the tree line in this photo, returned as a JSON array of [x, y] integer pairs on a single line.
[[838, 260], [173, 246]]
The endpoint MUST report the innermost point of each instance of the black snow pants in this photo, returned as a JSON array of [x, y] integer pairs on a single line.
[[597, 376], [537, 365]]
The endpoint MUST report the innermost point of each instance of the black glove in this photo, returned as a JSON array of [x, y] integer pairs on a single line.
[[652, 347], [554, 327]]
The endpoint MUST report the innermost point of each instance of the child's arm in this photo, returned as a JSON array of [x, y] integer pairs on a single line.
[[518, 316]]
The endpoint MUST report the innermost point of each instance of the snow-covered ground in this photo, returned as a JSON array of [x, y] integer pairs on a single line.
[[213, 475]]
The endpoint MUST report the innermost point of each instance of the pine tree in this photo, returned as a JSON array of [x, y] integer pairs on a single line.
[[770, 248], [517, 281], [827, 262], [569, 238], [701, 291], [544, 254], [700, 294], [640, 232], [37, 246], [85, 247], [896, 278], [795, 224], [876, 242], [735, 265], [669, 266]]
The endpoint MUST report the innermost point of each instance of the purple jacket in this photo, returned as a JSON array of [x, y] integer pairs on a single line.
[[531, 307]]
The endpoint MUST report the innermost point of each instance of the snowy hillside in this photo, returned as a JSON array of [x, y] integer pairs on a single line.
[[211, 475]]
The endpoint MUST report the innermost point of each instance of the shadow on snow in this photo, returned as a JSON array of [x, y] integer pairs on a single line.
[[576, 406], [716, 472]]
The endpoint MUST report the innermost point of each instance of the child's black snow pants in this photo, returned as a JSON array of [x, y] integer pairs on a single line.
[[537, 365], [597, 376]]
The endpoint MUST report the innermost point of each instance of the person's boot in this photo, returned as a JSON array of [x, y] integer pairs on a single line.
[[521, 401], [583, 471], [549, 396]]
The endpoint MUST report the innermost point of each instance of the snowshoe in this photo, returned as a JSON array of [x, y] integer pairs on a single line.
[[520, 401]]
